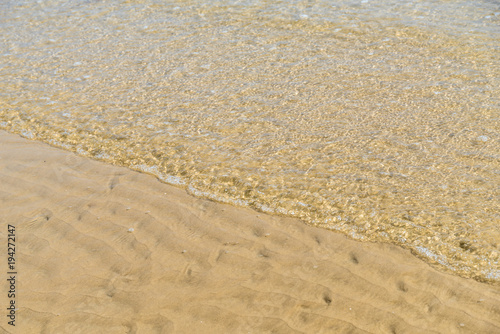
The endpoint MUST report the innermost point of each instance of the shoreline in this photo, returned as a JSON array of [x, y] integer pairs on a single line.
[[105, 248]]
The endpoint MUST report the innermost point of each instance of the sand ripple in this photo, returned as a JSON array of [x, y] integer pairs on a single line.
[[103, 249]]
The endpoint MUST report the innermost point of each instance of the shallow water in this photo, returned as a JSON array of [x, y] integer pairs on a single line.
[[380, 119]]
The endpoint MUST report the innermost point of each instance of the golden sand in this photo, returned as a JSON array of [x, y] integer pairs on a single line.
[[378, 119], [103, 249]]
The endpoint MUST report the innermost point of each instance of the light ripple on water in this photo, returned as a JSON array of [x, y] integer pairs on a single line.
[[379, 119]]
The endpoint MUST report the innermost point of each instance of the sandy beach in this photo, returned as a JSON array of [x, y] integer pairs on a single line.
[[103, 249]]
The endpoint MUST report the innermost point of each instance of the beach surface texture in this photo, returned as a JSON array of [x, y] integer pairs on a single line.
[[103, 249]]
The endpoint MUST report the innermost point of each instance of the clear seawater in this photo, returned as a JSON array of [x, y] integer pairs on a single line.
[[378, 119]]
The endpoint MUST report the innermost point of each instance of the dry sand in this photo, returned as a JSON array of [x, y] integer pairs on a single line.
[[194, 266]]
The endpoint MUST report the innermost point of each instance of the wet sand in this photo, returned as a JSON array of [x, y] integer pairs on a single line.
[[103, 249]]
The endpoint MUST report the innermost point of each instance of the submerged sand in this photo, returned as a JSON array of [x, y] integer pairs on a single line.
[[103, 249]]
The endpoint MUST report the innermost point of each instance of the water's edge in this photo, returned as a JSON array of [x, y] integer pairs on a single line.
[[436, 261]]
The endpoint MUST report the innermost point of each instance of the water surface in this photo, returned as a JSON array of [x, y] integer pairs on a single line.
[[379, 119]]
